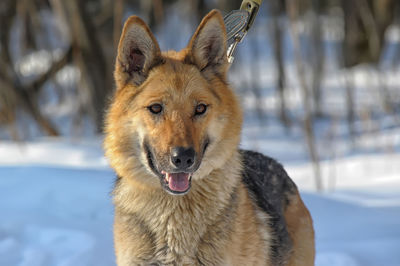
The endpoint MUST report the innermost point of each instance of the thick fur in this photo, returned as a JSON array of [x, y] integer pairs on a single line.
[[241, 209]]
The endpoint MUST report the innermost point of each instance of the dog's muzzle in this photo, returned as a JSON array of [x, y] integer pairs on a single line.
[[176, 173]]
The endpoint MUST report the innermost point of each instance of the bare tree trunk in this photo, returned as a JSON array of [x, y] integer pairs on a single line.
[[154, 11], [91, 59], [396, 56], [277, 44], [255, 84], [158, 12], [118, 12], [371, 29], [349, 56], [292, 11], [318, 57], [12, 85], [387, 103], [350, 104], [365, 24]]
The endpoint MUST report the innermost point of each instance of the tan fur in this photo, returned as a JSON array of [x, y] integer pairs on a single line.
[[248, 244], [217, 222], [165, 217], [301, 231]]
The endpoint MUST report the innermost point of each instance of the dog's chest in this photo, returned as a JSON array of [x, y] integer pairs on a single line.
[[187, 250], [176, 235], [183, 238], [175, 242]]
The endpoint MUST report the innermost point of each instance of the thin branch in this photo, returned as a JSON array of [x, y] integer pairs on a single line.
[[55, 67]]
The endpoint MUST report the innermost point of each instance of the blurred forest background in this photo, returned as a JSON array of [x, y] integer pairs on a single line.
[[57, 60]]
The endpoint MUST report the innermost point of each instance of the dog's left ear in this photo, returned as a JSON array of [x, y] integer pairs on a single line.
[[207, 48]]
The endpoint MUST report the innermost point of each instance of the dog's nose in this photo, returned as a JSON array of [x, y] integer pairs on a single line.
[[182, 157]]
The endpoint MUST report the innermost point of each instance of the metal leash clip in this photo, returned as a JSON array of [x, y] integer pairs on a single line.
[[238, 22]]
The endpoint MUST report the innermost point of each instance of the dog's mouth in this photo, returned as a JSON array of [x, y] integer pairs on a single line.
[[177, 183], [174, 183]]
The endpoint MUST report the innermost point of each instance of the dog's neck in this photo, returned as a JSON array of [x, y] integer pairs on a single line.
[[169, 216]]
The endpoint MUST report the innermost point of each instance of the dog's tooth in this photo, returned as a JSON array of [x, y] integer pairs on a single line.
[[167, 177]]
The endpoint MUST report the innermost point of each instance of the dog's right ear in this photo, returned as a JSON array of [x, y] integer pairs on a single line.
[[138, 52]]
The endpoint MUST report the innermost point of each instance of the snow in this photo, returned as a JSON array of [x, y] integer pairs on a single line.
[[55, 215], [347, 224], [53, 152], [56, 206]]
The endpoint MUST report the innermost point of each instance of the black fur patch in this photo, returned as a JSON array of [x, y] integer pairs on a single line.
[[270, 187]]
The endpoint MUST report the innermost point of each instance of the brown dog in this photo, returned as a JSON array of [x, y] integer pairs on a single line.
[[185, 194]]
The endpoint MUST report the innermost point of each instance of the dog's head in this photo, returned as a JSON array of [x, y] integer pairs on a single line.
[[173, 117]]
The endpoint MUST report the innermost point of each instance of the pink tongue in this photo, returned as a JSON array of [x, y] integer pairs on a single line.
[[178, 181]]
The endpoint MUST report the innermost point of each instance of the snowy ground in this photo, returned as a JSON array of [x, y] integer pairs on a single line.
[[55, 206]]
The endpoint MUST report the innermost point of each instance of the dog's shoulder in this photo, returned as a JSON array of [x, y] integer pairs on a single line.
[[271, 188], [267, 180]]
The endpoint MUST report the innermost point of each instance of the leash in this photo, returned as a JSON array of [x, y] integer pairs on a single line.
[[238, 22]]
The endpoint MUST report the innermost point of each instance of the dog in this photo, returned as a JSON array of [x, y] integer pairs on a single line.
[[185, 194]]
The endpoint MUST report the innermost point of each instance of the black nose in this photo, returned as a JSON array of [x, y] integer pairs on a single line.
[[182, 157]]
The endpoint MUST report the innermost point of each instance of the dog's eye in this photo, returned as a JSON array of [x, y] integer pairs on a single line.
[[155, 108], [200, 109]]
